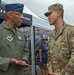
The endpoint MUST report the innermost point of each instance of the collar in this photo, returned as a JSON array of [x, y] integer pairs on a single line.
[[6, 26], [58, 32]]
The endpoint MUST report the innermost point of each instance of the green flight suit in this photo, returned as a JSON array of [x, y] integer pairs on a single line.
[[12, 45], [61, 50]]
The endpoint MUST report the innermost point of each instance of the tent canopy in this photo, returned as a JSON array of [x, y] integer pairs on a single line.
[[37, 21], [29, 18]]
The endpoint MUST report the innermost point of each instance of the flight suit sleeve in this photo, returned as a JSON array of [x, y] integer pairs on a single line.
[[4, 63], [26, 53], [69, 68]]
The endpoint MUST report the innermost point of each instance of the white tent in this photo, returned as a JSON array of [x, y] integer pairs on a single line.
[[37, 21]]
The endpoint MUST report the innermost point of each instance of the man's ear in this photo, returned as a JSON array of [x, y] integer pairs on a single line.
[[9, 14], [59, 13]]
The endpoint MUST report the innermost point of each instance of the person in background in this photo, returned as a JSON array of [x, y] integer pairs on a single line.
[[61, 43], [13, 51], [43, 49]]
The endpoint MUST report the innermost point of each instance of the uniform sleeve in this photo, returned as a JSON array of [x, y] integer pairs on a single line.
[[4, 63], [26, 53], [69, 68], [49, 64]]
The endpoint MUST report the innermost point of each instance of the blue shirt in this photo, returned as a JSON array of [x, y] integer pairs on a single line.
[[44, 50]]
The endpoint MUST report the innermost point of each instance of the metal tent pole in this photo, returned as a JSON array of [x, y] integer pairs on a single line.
[[33, 50], [0, 1]]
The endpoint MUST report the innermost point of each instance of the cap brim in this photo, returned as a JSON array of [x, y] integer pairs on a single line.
[[44, 39], [47, 13]]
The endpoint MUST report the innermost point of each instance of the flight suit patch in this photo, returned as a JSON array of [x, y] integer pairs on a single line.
[[9, 38], [20, 38]]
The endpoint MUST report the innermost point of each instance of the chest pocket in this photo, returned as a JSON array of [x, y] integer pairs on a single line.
[[64, 48], [62, 41], [20, 41]]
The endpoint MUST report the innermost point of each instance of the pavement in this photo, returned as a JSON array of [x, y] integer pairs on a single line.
[[28, 70]]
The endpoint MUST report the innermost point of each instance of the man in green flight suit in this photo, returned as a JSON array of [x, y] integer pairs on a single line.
[[13, 51], [61, 43]]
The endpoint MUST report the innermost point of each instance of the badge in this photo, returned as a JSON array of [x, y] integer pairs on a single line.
[[46, 47], [9, 38], [19, 37]]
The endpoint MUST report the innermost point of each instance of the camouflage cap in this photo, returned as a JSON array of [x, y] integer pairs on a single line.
[[54, 7]]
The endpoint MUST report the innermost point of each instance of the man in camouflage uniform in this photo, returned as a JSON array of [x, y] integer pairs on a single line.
[[61, 43]]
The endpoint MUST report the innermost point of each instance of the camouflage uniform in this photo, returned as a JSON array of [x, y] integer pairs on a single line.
[[61, 50]]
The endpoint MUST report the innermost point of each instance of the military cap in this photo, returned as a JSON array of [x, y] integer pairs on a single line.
[[44, 39], [54, 7], [14, 7]]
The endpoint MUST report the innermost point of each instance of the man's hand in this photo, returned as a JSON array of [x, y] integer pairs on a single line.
[[55, 74], [22, 63], [19, 62], [52, 73], [12, 60]]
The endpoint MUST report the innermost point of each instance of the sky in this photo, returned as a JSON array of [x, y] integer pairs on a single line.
[[39, 7]]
